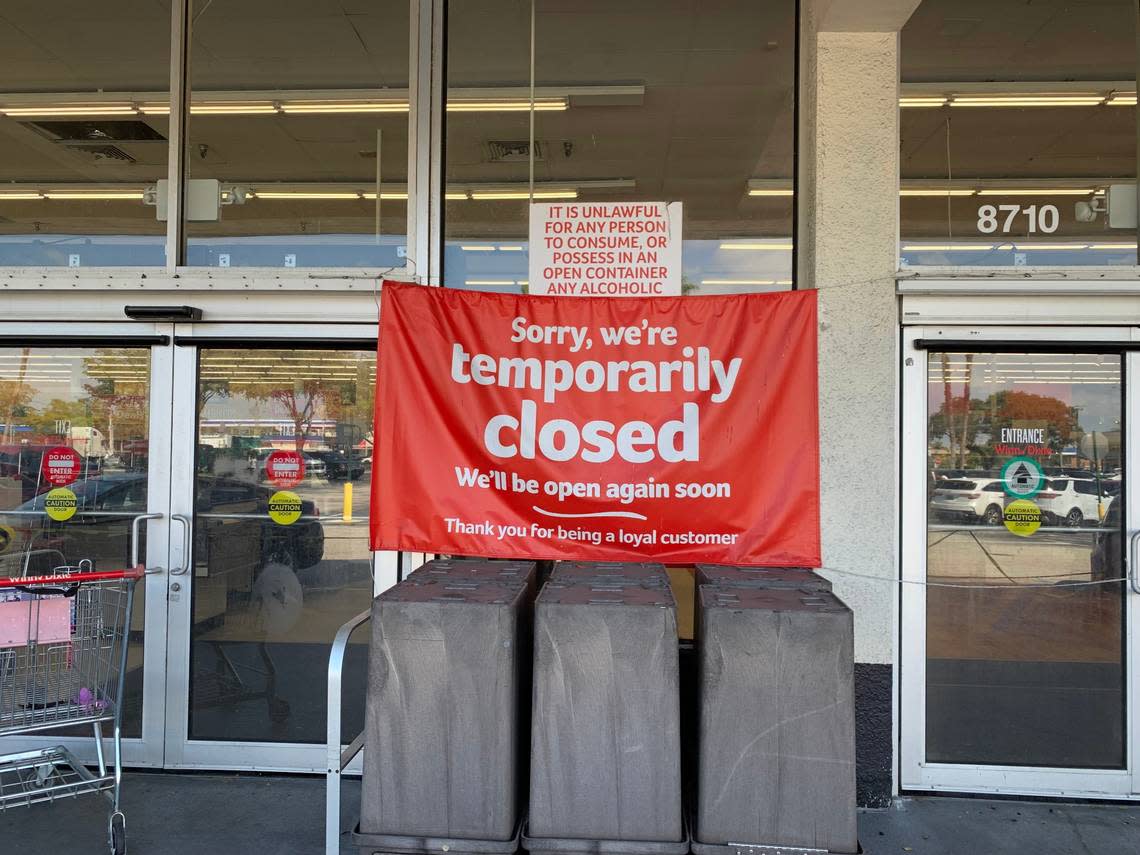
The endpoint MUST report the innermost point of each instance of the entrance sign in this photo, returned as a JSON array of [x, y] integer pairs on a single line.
[[609, 249], [61, 465], [676, 429], [285, 468]]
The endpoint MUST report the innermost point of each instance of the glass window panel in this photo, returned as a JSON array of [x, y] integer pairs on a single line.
[[96, 401], [1024, 632], [635, 102], [83, 132], [269, 596], [300, 112], [1016, 120]]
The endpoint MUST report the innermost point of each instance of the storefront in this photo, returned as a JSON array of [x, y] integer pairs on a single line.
[[198, 205]]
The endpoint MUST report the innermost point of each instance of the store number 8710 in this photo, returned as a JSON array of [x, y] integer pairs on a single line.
[[1039, 218]]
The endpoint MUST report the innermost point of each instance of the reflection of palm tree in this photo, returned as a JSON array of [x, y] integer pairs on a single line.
[[16, 395]]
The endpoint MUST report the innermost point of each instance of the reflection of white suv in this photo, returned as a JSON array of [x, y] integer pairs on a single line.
[[1070, 501], [975, 499]]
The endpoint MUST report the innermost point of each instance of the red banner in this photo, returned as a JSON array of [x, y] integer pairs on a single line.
[[676, 429]]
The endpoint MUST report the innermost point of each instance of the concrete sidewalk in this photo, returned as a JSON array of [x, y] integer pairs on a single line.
[[213, 814]]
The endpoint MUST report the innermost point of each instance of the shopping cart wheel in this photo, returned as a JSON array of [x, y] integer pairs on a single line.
[[117, 833]]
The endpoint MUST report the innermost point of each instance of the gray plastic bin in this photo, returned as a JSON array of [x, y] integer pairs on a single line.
[[599, 572], [441, 725], [605, 734], [777, 724], [761, 577]]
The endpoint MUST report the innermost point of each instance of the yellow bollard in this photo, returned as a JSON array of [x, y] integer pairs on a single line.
[[348, 501]]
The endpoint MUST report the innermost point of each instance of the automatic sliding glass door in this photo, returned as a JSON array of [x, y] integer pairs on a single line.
[[98, 398], [276, 471], [1016, 651]]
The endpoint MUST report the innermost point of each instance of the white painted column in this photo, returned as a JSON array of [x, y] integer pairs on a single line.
[[848, 251]]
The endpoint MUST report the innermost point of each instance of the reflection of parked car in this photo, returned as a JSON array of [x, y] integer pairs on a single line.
[[339, 466], [1070, 501], [972, 499], [23, 463], [314, 466], [233, 531], [1107, 559]]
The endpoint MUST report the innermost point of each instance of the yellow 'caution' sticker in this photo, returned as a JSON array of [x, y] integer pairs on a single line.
[[1022, 517], [60, 504], [284, 507]]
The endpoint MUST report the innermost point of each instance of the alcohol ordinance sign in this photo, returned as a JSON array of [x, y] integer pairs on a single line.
[[673, 428], [605, 249]]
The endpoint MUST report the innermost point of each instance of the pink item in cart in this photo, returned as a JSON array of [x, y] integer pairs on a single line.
[[86, 698], [46, 620]]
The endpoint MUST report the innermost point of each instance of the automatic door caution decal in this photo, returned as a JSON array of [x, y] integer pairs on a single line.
[[284, 507], [1022, 517], [60, 504], [601, 429]]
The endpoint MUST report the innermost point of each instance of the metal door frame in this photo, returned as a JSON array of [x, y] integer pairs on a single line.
[[182, 752], [914, 772], [149, 749]]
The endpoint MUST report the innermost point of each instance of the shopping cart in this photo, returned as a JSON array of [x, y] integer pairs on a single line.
[[63, 658]]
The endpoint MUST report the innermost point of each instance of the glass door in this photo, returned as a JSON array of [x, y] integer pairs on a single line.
[[272, 464], [97, 398], [1018, 662]]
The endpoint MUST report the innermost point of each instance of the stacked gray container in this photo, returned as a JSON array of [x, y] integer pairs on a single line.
[[605, 737], [446, 664], [761, 577], [777, 726]]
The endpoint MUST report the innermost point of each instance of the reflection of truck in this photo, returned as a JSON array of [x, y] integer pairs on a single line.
[[89, 441]]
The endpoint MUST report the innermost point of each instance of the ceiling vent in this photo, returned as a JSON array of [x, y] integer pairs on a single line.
[[97, 131], [100, 153], [513, 151]]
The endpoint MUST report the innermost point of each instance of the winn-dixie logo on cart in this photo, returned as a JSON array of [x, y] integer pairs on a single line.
[[677, 428]]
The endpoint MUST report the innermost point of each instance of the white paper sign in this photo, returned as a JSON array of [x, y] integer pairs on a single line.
[[605, 249]]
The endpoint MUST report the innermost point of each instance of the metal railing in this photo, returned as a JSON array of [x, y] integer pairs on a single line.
[[337, 755]]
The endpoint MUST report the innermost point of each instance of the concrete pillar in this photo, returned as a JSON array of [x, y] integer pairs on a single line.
[[848, 250]]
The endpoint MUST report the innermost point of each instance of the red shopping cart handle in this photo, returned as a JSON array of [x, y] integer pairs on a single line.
[[94, 576]]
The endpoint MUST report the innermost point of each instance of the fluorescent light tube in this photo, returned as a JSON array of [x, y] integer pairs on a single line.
[[931, 191], [738, 281], [1037, 191], [757, 246], [543, 105], [487, 195], [955, 247], [93, 194], [344, 106], [289, 194]]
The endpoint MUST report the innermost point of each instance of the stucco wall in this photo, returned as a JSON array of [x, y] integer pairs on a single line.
[[852, 260]]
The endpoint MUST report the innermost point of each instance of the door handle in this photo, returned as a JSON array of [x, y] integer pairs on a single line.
[[1133, 564], [136, 524], [185, 567]]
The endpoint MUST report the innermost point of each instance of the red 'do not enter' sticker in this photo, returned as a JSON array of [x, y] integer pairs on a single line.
[[285, 468], [61, 465]]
